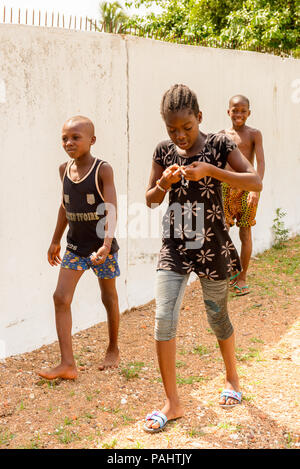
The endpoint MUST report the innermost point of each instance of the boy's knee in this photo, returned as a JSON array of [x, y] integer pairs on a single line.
[[164, 330], [222, 331], [109, 300], [245, 234], [218, 319], [61, 299]]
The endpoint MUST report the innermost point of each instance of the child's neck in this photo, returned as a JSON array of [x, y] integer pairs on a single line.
[[84, 160], [197, 146], [238, 128]]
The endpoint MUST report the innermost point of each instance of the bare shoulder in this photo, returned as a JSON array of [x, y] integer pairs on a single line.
[[106, 173], [255, 133], [62, 169]]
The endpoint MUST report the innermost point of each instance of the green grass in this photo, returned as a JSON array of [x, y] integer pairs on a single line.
[[230, 426], [272, 264], [132, 370], [250, 355], [180, 364], [255, 340], [5, 438], [194, 433], [110, 445], [64, 435], [189, 379], [201, 350]]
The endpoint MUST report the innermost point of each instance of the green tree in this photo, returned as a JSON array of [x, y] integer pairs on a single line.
[[249, 24], [263, 24], [113, 17]]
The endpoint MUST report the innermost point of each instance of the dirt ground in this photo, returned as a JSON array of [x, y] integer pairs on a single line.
[[106, 409]]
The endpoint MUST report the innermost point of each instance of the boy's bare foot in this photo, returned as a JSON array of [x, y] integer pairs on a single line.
[[111, 359], [171, 412], [61, 371], [233, 386]]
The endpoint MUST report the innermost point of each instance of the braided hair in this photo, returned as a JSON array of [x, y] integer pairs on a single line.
[[179, 97]]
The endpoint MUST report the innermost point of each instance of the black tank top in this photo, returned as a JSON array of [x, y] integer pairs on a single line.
[[85, 213]]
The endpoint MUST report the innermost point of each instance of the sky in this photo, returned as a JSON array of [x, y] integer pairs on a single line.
[[78, 8]]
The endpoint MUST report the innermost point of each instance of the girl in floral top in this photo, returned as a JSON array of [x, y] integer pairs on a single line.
[[190, 168]]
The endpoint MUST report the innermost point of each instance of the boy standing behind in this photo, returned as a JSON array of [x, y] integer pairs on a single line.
[[241, 205], [89, 202]]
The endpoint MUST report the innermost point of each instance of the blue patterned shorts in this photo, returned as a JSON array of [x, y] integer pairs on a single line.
[[109, 269]]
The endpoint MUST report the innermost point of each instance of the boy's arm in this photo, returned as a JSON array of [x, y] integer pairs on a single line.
[[259, 153], [106, 182], [253, 197], [54, 249]]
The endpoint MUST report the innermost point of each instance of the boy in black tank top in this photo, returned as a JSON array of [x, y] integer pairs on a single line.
[[89, 208]]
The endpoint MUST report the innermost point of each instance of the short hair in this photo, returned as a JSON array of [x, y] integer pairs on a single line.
[[241, 98], [179, 97], [83, 120]]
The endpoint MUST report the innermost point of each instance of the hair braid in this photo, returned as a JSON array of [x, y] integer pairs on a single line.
[[179, 97]]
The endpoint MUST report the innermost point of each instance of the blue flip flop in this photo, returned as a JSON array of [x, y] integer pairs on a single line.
[[229, 393], [157, 417]]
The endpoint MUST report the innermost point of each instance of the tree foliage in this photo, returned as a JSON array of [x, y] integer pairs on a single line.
[[112, 16], [249, 24]]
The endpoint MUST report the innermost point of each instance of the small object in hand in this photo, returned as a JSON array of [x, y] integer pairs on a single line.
[[94, 254], [184, 182]]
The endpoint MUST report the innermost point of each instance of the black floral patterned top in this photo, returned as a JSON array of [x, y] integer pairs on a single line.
[[195, 237]]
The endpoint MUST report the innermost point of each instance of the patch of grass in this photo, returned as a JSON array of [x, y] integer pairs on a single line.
[[180, 364], [34, 444], [5, 438], [88, 416], [255, 340], [52, 384], [229, 426], [201, 350], [89, 398], [189, 379], [111, 410], [132, 370], [67, 421], [67, 436], [251, 355], [249, 397], [138, 445], [127, 419], [194, 433], [110, 445]]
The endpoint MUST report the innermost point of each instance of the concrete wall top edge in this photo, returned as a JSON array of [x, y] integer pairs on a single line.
[[137, 39]]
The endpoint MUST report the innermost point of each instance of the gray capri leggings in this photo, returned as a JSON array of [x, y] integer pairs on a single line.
[[170, 287]]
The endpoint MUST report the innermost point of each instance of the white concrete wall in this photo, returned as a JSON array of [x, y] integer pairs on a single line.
[[215, 75], [48, 75]]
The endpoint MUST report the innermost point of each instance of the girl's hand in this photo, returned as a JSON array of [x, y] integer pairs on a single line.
[[252, 199], [195, 171], [100, 256], [53, 254], [170, 176]]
